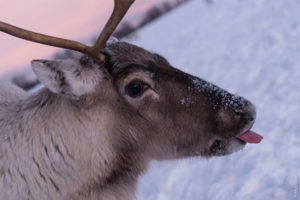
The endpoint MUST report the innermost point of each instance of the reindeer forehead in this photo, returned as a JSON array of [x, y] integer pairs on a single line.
[[122, 54]]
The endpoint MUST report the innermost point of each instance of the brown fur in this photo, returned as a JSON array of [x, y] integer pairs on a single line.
[[84, 137]]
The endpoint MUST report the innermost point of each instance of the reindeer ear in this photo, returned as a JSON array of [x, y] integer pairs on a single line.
[[48, 74], [67, 77]]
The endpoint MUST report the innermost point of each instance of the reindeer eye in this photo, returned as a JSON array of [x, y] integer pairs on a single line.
[[135, 88]]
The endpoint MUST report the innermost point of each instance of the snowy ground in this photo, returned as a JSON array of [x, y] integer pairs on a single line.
[[252, 48]]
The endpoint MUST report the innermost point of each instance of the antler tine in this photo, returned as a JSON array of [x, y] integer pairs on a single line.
[[120, 9]]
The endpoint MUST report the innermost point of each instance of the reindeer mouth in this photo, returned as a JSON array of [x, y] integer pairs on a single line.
[[221, 147]]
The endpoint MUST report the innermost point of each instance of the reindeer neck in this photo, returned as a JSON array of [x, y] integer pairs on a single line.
[[47, 148]]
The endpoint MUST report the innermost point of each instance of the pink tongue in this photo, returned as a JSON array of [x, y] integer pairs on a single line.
[[250, 137]]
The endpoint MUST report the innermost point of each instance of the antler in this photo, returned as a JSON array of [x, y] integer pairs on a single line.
[[120, 9]]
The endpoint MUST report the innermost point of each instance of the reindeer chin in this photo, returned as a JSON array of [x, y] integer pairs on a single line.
[[226, 146]]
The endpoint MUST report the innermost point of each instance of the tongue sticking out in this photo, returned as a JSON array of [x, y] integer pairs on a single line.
[[250, 137]]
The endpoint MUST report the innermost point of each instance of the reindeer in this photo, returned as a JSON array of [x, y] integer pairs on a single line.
[[101, 119]]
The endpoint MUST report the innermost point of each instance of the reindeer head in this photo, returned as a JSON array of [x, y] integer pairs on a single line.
[[188, 115], [154, 108]]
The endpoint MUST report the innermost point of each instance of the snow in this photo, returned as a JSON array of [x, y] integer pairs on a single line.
[[233, 101], [251, 48]]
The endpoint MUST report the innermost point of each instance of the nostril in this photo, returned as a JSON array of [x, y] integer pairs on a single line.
[[248, 113], [244, 115]]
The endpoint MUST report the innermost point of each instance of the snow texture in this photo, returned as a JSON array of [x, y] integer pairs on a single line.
[[251, 48]]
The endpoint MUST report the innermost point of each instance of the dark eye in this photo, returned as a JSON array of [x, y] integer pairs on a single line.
[[136, 88]]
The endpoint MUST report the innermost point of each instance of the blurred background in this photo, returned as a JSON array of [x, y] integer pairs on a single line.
[[249, 47], [76, 20]]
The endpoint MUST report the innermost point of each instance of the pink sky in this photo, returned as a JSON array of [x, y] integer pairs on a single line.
[[74, 20]]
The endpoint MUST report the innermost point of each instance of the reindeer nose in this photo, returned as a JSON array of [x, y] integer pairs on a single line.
[[248, 113]]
